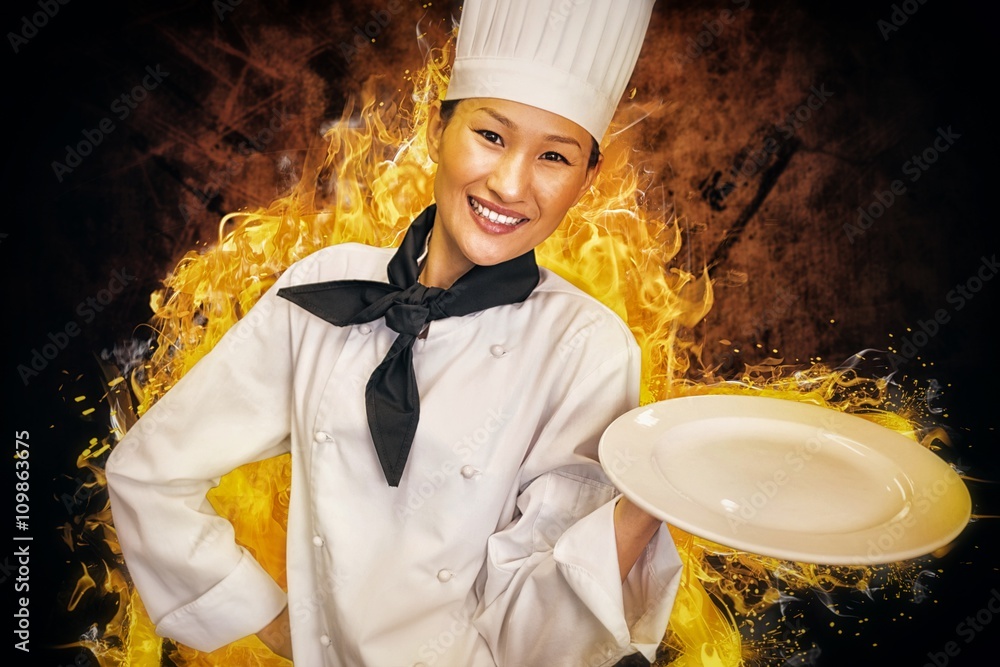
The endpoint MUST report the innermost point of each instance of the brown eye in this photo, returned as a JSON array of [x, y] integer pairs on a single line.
[[491, 137]]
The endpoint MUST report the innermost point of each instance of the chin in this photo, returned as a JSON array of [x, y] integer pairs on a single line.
[[488, 259]]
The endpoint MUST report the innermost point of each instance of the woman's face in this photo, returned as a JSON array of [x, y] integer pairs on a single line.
[[507, 174]]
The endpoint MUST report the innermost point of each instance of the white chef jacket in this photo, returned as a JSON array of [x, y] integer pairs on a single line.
[[498, 545]]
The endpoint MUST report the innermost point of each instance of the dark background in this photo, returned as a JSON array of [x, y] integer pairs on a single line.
[[783, 264]]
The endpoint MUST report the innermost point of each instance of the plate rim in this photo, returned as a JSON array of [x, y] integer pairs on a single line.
[[882, 438]]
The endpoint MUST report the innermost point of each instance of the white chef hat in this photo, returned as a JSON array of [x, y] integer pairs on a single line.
[[571, 57]]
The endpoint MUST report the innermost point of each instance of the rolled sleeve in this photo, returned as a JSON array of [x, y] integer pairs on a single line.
[[554, 594], [242, 603], [635, 611]]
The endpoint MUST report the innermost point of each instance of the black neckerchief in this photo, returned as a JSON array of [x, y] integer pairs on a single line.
[[391, 397]]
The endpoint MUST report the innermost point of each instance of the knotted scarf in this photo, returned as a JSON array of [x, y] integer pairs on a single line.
[[392, 400]]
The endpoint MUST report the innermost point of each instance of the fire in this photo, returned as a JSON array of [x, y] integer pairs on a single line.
[[368, 180]]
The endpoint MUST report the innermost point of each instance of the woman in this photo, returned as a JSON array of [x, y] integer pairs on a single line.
[[446, 503]]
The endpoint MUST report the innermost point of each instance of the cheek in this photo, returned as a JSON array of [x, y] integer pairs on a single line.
[[561, 193], [447, 177], [543, 233]]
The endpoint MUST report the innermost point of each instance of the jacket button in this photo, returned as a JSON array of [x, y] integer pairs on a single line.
[[325, 640], [468, 472], [445, 576], [365, 329], [317, 541], [498, 351], [322, 436]]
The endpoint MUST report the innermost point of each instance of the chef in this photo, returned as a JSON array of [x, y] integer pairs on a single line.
[[442, 403]]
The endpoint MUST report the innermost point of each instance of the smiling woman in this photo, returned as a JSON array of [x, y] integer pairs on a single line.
[[520, 551]]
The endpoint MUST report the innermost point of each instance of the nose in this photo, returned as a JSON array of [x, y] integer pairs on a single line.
[[510, 176]]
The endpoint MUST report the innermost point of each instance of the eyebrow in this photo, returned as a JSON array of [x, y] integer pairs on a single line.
[[507, 122]]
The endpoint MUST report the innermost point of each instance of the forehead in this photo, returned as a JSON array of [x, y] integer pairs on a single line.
[[523, 118]]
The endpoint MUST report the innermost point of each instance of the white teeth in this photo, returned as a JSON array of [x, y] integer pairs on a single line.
[[493, 216]]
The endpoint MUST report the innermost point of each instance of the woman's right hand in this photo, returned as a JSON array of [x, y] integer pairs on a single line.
[[277, 635]]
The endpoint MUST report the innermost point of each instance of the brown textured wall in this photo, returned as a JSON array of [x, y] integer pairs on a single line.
[[776, 133]]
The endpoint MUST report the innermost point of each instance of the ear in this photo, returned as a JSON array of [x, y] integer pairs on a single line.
[[590, 178], [435, 128]]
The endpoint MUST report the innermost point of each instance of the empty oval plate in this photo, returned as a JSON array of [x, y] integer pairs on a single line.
[[784, 479]]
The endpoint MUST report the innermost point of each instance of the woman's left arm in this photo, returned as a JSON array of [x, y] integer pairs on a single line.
[[634, 528], [566, 583]]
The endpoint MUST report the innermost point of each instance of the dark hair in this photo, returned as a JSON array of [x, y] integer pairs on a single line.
[[448, 110]]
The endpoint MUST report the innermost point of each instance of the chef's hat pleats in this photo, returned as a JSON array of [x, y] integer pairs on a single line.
[[571, 57]]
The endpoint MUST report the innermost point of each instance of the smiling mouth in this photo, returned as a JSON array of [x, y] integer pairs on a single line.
[[493, 216]]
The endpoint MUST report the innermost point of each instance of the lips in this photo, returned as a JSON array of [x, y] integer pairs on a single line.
[[494, 216]]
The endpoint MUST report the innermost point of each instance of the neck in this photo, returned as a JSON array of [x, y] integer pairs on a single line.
[[431, 278], [444, 263]]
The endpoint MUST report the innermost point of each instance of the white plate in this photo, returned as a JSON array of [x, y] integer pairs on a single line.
[[785, 479]]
